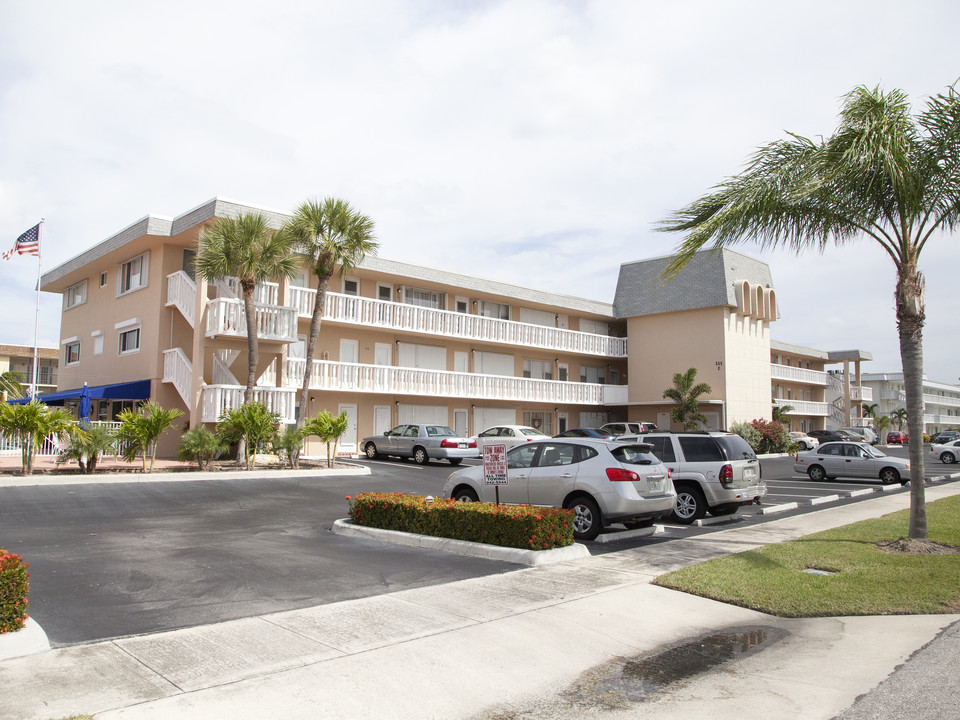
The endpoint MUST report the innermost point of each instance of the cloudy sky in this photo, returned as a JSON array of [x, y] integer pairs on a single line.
[[535, 142]]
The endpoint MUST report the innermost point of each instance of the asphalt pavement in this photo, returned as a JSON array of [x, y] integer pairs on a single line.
[[572, 639]]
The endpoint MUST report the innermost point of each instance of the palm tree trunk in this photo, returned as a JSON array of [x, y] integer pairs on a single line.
[[253, 354], [322, 283], [910, 318]]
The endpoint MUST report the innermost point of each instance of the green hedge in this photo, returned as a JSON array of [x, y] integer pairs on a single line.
[[517, 526], [14, 584]]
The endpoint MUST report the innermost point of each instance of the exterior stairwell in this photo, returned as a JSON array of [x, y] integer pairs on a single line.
[[178, 369]]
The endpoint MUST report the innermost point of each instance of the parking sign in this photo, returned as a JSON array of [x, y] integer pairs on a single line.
[[495, 464]]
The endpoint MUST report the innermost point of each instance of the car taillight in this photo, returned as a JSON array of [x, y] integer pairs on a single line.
[[621, 475], [456, 443], [796, 457], [726, 474], [669, 474]]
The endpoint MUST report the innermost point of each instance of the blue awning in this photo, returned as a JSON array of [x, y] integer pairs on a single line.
[[135, 390]]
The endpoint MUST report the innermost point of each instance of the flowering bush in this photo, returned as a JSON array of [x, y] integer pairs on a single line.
[[517, 526], [14, 584], [749, 433], [774, 437]]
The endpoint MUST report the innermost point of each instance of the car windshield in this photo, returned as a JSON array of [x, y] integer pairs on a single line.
[[635, 454], [440, 431], [736, 447], [872, 451]]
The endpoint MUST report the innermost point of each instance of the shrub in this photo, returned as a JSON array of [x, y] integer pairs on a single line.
[[252, 422], [749, 433], [517, 526], [774, 437], [14, 584], [201, 445]]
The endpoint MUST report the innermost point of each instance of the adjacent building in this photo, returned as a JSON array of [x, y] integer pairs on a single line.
[[403, 343], [941, 401], [19, 359]]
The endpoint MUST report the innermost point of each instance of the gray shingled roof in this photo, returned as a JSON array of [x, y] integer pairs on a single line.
[[708, 281]]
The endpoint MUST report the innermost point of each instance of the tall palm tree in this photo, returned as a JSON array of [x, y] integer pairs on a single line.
[[250, 250], [331, 235], [29, 423], [686, 396], [900, 417], [883, 175], [781, 414]]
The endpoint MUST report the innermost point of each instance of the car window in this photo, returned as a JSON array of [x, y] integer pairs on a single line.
[[507, 432], [554, 454], [637, 454], [398, 430], [412, 431], [440, 431], [851, 451], [585, 453], [521, 456], [530, 432], [490, 433], [829, 450], [662, 448], [735, 447], [700, 449]]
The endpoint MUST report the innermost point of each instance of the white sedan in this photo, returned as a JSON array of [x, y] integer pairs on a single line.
[[948, 452], [509, 435], [804, 441]]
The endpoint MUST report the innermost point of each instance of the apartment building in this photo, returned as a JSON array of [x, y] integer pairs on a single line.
[[403, 343], [19, 358], [941, 401]]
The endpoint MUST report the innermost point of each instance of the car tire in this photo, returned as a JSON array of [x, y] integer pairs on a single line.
[[586, 517], [371, 451], [948, 457], [889, 475], [803, 445], [816, 473], [455, 461], [691, 504], [465, 493], [420, 456]]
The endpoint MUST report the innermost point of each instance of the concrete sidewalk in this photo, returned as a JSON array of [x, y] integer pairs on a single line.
[[546, 642]]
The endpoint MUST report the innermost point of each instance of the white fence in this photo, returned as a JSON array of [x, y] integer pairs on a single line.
[[50, 447]]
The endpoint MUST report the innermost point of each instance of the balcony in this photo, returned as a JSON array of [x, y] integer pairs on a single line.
[[215, 400], [798, 375], [225, 316], [804, 407], [354, 377], [413, 318]]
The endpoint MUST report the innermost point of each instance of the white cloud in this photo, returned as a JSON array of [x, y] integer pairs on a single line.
[[551, 134]]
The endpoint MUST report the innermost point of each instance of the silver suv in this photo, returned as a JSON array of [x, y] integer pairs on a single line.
[[712, 471]]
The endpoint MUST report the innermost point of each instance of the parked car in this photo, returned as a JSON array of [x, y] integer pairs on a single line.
[[849, 459], [586, 433], [855, 435], [948, 452], [828, 435], [944, 436], [870, 435], [897, 437], [422, 443], [804, 441], [508, 435], [628, 428], [603, 482], [712, 471]]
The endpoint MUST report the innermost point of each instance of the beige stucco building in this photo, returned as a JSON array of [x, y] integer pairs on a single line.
[[19, 358], [403, 343]]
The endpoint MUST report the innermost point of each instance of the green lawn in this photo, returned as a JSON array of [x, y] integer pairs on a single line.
[[868, 581]]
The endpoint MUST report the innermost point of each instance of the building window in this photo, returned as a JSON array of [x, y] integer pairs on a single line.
[[132, 274], [500, 311], [384, 292], [351, 286], [463, 305], [130, 341], [97, 336], [423, 298], [75, 295], [103, 279], [71, 353], [590, 374], [538, 369]]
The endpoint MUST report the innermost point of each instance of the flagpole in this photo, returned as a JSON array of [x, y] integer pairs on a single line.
[[36, 319]]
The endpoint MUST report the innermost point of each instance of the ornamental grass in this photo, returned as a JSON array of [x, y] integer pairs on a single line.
[[516, 526]]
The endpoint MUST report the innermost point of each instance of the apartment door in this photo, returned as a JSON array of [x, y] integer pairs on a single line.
[[663, 420], [561, 422], [460, 423], [348, 441], [381, 419], [349, 351]]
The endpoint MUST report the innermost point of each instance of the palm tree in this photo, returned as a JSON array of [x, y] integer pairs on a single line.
[[248, 249], [11, 385], [900, 417], [882, 422], [88, 446], [883, 175], [685, 394], [329, 429], [330, 234], [140, 430], [780, 412], [29, 423], [253, 425]]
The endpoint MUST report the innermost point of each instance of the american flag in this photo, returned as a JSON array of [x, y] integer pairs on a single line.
[[26, 244]]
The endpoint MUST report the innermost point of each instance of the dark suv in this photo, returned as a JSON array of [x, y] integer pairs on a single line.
[[828, 435], [712, 471]]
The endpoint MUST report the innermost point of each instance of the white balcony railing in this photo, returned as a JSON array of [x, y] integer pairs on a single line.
[[226, 316], [217, 399], [940, 400], [178, 369], [182, 294], [354, 377], [805, 407], [413, 318], [861, 393], [800, 375]]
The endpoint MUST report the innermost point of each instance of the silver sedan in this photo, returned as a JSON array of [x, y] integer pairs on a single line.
[[421, 442], [850, 459], [948, 452]]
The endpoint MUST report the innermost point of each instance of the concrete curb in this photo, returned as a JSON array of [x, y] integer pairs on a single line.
[[532, 558], [29, 640]]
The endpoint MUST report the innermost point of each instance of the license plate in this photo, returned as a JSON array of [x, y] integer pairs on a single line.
[[656, 485], [749, 472], [463, 445]]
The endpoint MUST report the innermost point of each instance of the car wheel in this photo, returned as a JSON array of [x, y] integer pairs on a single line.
[[888, 476], [816, 473], [371, 451], [420, 456], [455, 461], [803, 445], [586, 518], [690, 505], [948, 458], [728, 509], [465, 494]]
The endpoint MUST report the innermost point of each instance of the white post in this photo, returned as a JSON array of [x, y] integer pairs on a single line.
[[36, 320]]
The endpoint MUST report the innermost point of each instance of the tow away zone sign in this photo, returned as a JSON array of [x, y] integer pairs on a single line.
[[495, 464]]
